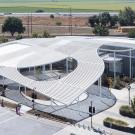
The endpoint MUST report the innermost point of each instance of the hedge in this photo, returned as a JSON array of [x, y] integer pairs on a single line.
[[127, 111], [118, 125], [116, 122]]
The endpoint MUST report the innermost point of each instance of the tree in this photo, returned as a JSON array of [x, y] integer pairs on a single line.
[[94, 20], [105, 18], [101, 30], [12, 25], [126, 17], [114, 20]]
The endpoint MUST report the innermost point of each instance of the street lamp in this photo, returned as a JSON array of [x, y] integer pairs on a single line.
[[70, 21], [129, 88]]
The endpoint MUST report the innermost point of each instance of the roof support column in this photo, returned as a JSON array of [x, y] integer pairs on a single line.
[[51, 67], [34, 70], [3, 80], [29, 69], [43, 68], [25, 89], [67, 65], [19, 87], [114, 66], [100, 85], [130, 64]]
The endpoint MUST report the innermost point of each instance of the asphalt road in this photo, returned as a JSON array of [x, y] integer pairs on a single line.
[[12, 124], [56, 14]]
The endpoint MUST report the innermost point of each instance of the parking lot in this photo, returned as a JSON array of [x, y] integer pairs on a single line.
[[12, 124]]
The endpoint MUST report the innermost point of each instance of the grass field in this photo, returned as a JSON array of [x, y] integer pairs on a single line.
[[64, 5]]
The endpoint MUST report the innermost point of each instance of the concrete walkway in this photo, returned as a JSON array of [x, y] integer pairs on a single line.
[[122, 97]]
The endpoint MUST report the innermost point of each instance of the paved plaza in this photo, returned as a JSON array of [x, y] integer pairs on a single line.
[[122, 99], [78, 111]]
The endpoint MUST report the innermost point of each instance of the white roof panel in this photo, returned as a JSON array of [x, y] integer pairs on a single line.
[[33, 52]]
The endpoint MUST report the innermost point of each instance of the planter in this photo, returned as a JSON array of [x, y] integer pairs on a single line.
[[127, 111], [118, 127]]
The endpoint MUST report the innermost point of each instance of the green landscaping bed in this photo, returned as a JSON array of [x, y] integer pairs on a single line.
[[127, 111], [118, 125]]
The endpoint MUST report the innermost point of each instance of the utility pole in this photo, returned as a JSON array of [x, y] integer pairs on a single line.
[[28, 25], [70, 21], [31, 23]]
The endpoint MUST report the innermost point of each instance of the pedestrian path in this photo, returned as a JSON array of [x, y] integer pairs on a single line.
[[122, 97]]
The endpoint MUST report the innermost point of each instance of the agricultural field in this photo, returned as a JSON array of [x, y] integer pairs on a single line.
[[64, 5]]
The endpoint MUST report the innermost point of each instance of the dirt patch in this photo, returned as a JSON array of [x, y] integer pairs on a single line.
[[59, 25], [8, 104]]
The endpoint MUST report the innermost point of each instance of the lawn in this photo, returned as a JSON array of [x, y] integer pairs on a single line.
[[64, 5]]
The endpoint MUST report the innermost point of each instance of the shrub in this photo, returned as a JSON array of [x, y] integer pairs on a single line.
[[52, 16], [126, 79], [115, 122], [127, 111], [46, 34], [117, 86], [100, 30], [59, 23], [3, 39], [131, 34], [39, 11], [19, 37], [35, 35]]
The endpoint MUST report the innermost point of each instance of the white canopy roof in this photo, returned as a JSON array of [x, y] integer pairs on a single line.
[[33, 52]]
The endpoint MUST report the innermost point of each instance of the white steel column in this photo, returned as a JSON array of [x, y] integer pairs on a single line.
[[25, 90], [114, 66], [51, 67], [19, 87], [130, 64], [34, 69], [100, 84], [29, 69], [67, 65], [3, 80], [43, 68]]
